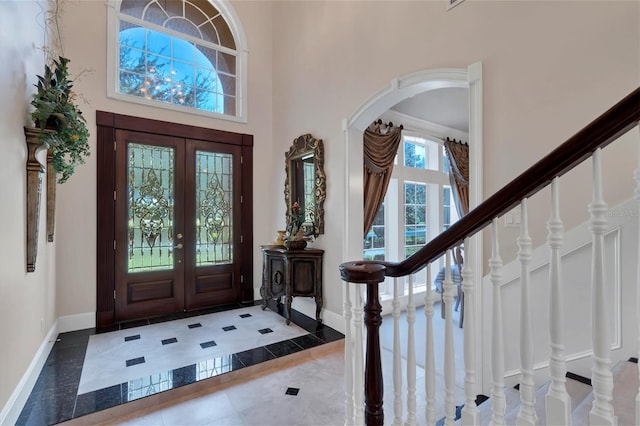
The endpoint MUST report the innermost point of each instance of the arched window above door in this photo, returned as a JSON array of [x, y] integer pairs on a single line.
[[187, 55]]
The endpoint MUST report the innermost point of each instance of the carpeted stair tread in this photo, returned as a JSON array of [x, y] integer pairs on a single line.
[[578, 391], [625, 389], [512, 397]]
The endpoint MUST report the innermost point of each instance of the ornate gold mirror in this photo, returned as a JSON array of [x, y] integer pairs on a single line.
[[306, 182]]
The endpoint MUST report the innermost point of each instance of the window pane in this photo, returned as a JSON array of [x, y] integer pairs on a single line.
[[410, 214], [206, 57], [374, 244], [183, 50], [158, 89], [446, 217], [414, 155], [446, 207], [229, 105], [415, 230], [158, 43], [133, 84], [127, 36], [159, 67], [409, 193], [140, 49], [421, 194], [227, 63]]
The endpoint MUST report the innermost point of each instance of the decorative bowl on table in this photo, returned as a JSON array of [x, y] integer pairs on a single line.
[[295, 244]]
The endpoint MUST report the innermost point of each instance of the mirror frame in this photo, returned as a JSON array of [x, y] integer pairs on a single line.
[[303, 146]]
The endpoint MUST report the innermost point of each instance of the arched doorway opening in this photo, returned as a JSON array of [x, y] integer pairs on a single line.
[[400, 89]]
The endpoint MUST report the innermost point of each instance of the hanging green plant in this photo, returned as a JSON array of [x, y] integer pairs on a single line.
[[56, 110]]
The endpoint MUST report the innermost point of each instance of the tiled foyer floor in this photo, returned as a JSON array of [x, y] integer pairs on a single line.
[[88, 372]]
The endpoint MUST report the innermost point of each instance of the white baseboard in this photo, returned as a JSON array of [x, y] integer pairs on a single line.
[[333, 320], [307, 306], [11, 411], [76, 322]]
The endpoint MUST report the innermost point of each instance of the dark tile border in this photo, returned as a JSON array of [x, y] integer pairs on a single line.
[[54, 398]]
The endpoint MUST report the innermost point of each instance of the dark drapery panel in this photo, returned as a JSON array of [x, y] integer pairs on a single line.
[[458, 155], [380, 148]]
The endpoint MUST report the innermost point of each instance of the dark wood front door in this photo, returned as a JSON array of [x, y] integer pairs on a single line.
[[177, 216]]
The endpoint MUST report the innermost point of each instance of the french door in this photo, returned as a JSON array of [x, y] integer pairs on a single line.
[[177, 224]]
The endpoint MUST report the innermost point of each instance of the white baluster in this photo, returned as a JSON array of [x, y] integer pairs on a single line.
[[602, 380], [397, 359], [527, 414], [429, 354], [449, 361], [637, 177], [411, 357], [358, 366], [470, 414], [498, 400], [348, 354], [558, 402]]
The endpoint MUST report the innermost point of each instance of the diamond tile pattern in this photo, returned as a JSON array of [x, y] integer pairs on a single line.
[[93, 372]]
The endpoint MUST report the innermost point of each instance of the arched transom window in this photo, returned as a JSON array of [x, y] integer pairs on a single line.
[[177, 54]]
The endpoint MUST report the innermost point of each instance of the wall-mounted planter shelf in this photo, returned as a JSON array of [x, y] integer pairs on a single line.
[[34, 189], [51, 196]]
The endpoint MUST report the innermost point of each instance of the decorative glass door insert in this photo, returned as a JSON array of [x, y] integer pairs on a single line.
[[214, 201], [177, 224], [151, 207]]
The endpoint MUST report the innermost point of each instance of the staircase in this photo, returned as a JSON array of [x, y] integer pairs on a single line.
[[612, 396], [580, 391]]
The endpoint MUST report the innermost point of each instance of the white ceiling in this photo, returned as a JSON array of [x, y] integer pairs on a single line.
[[447, 107]]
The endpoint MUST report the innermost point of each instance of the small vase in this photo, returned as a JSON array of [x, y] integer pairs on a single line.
[[280, 238], [295, 244]]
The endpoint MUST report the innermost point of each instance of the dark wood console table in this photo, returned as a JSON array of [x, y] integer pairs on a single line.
[[291, 273]]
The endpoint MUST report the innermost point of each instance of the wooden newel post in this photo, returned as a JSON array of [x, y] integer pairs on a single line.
[[370, 274]]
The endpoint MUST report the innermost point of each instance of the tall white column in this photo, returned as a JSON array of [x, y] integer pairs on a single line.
[[429, 354], [449, 357], [411, 357], [348, 355], [470, 414], [558, 402], [637, 177], [358, 365], [601, 378], [498, 400], [397, 359], [527, 414]]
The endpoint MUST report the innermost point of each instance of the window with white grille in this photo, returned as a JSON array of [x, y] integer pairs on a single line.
[[177, 54]]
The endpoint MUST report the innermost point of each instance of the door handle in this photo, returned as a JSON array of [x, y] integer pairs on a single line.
[[179, 246]]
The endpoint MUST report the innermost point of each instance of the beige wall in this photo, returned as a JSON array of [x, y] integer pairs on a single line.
[[77, 262], [549, 68], [27, 300], [65, 280]]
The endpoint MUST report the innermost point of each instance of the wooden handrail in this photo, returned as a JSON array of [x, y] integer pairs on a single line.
[[599, 133]]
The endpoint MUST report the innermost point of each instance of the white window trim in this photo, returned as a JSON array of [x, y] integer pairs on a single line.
[[113, 25], [394, 224]]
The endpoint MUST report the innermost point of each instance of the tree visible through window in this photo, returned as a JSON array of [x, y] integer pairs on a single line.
[[418, 204], [168, 69], [374, 240], [179, 52]]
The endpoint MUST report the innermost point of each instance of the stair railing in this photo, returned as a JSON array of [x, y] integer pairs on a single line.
[[585, 144]]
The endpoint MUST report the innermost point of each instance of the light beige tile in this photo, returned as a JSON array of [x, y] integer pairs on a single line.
[[201, 410]]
